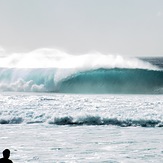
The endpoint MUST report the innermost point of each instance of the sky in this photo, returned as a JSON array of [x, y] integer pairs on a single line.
[[126, 27]]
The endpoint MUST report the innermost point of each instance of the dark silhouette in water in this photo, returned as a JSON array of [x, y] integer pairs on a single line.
[[6, 155]]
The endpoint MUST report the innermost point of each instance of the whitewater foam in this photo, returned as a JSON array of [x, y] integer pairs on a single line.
[[58, 109], [53, 58]]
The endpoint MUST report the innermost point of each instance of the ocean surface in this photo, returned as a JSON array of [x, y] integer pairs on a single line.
[[110, 112]]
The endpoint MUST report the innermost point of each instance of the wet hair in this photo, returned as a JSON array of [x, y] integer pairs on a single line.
[[6, 153]]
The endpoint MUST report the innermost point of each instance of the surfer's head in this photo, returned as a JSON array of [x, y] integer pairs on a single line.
[[6, 153]]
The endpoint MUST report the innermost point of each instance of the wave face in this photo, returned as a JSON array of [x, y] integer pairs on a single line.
[[97, 81], [114, 81]]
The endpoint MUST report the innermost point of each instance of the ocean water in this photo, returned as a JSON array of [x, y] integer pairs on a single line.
[[107, 112]]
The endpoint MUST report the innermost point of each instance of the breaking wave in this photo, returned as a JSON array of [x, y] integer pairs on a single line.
[[96, 120], [90, 120], [51, 70]]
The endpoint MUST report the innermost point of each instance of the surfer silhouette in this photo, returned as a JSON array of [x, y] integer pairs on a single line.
[[6, 155]]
